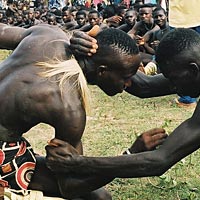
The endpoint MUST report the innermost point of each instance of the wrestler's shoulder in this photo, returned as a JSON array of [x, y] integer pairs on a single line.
[[44, 29]]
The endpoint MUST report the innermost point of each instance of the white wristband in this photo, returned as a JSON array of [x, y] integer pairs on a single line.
[[128, 152]]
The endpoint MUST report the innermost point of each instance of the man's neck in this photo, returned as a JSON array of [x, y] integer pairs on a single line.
[[88, 68], [164, 26]]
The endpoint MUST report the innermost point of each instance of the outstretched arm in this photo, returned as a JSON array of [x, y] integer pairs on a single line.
[[59, 151], [10, 36], [183, 141], [145, 86]]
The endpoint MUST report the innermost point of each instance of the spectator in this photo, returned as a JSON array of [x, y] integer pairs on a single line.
[[130, 20], [80, 19], [142, 28], [93, 19]]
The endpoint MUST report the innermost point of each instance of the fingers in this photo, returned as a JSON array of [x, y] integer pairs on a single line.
[[82, 50], [159, 136], [56, 142], [154, 131], [94, 31], [152, 141], [58, 148], [138, 37], [153, 138], [83, 35], [117, 19], [157, 143], [83, 44]]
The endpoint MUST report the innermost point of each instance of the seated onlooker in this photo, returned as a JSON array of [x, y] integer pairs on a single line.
[[142, 29], [81, 19], [31, 20], [153, 39], [130, 20], [93, 19], [68, 20]]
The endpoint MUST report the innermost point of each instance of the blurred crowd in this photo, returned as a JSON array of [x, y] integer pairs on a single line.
[[27, 13]]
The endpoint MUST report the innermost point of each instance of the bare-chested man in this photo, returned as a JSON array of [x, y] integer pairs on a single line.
[[42, 82]]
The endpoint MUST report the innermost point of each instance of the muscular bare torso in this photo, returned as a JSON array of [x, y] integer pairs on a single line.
[[26, 98]]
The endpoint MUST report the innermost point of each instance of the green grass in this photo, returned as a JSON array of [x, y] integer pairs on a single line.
[[112, 126]]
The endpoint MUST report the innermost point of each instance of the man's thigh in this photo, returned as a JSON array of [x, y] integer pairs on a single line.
[[43, 179]]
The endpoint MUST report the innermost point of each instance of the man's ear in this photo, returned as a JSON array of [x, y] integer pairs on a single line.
[[102, 69], [194, 68]]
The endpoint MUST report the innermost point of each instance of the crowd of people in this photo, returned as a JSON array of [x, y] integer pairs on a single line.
[[72, 15], [147, 23]]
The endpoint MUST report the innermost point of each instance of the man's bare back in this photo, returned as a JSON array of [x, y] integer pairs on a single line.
[[27, 98], [27, 91]]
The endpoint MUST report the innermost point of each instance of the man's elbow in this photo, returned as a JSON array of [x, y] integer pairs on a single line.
[[162, 164]]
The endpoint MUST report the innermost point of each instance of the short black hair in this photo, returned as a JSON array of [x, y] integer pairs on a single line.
[[118, 40], [81, 12], [175, 42], [159, 8], [94, 12], [147, 5]]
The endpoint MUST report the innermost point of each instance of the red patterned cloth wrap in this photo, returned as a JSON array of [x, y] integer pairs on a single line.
[[17, 165]]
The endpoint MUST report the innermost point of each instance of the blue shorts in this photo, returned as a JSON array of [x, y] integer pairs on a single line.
[[17, 165]]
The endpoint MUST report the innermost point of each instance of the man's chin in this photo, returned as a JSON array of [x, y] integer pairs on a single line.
[[111, 93]]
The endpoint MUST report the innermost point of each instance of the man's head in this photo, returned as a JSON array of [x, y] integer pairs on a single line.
[[116, 61], [38, 13], [81, 18], [94, 17], [178, 57], [130, 17], [145, 13], [66, 16], [51, 19], [160, 17], [31, 14]]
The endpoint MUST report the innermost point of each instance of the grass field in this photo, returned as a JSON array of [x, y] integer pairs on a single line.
[[112, 126]]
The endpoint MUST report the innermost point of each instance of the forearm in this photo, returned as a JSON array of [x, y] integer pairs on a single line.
[[125, 166], [144, 86], [149, 49], [183, 141]]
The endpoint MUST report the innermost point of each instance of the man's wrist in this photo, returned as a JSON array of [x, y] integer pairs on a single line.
[[127, 152]]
